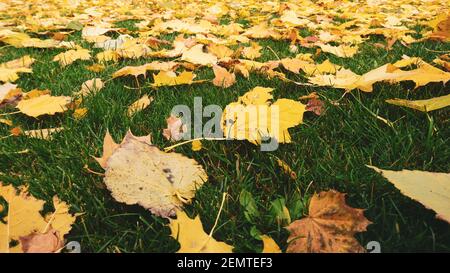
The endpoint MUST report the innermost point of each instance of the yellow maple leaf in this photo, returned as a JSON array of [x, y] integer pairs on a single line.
[[169, 78], [192, 238]]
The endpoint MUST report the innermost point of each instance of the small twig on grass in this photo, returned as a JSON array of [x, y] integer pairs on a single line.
[[189, 141], [274, 53], [10, 113]]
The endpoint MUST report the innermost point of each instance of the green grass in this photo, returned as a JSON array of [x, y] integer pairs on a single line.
[[328, 152]]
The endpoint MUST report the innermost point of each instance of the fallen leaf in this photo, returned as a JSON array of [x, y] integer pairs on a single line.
[[90, 87], [169, 78], [139, 173], [109, 146], [431, 189], [192, 238], [175, 128], [139, 105], [48, 242], [316, 106], [196, 55], [43, 105], [329, 227], [427, 105], [196, 145], [223, 78], [70, 56], [24, 219], [270, 246], [80, 113]]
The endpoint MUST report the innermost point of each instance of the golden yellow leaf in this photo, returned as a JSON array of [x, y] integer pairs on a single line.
[[139, 173], [70, 56], [96, 68], [6, 121], [427, 105], [253, 118], [109, 146], [220, 51], [196, 145], [252, 52], [170, 78], [43, 105], [80, 113], [429, 188], [24, 218], [108, 55], [329, 227], [192, 238], [11, 74], [270, 246], [139, 105]]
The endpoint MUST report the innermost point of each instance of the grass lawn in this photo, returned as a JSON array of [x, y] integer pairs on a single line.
[[328, 152]]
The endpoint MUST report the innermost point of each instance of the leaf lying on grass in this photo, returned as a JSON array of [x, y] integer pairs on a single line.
[[192, 238], [423, 105], [430, 189], [139, 173], [329, 227], [24, 223]]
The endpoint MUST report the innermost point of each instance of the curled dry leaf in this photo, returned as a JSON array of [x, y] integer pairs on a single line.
[[329, 227], [223, 78], [139, 173], [427, 105], [175, 128], [429, 188], [48, 242], [192, 238], [24, 222], [316, 106], [139, 105]]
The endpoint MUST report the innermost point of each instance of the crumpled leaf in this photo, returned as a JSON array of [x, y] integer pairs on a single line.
[[431, 189], [139, 105], [252, 52], [43, 105], [192, 238], [223, 78], [24, 219], [329, 227], [48, 242], [139, 173], [175, 128]]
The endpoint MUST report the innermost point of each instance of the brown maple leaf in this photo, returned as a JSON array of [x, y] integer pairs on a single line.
[[330, 226]]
